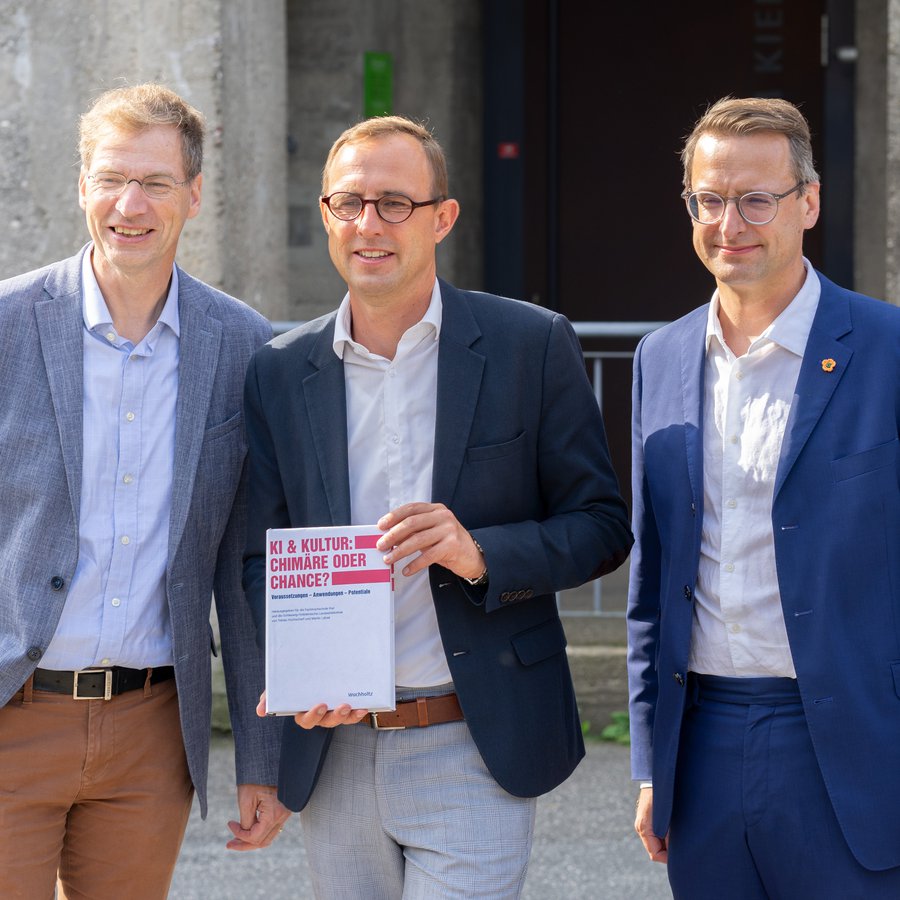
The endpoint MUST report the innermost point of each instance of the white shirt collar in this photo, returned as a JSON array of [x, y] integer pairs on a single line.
[[790, 329], [429, 323], [96, 313]]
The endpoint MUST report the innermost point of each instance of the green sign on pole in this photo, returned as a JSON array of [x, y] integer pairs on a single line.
[[378, 85]]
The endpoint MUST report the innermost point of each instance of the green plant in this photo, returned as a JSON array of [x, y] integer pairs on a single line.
[[617, 730]]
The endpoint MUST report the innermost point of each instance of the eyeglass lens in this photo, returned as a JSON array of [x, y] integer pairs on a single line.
[[757, 207], [156, 187], [392, 208]]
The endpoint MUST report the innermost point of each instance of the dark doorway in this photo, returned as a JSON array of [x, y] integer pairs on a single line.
[[586, 109]]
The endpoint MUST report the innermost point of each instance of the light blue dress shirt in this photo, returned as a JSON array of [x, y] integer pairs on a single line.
[[116, 613]]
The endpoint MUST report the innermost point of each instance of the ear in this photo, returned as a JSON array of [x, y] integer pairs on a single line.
[[82, 188], [444, 219], [326, 216], [195, 188], [811, 199]]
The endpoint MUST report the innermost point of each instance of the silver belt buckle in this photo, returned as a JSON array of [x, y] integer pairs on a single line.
[[107, 687], [378, 727]]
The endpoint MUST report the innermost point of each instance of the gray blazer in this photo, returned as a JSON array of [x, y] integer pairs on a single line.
[[41, 372]]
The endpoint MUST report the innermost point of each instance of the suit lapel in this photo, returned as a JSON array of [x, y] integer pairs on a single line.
[[693, 380], [815, 385], [325, 394], [60, 326], [459, 381], [198, 348]]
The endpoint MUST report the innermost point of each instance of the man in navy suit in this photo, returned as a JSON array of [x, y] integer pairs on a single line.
[[764, 608], [464, 425]]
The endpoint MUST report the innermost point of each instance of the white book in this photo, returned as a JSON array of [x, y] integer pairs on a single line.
[[329, 620]]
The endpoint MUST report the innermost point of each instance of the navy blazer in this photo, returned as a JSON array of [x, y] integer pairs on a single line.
[[520, 457], [836, 523]]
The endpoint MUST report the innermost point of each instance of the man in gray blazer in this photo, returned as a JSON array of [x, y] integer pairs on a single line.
[[465, 426], [122, 509]]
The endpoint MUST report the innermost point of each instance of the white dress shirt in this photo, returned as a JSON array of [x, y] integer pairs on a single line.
[[739, 628], [391, 414], [116, 611]]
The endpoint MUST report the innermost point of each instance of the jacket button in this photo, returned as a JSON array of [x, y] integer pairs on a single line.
[[35, 653], [688, 593], [57, 582], [679, 678]]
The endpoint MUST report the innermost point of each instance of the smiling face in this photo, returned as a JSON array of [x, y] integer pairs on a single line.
[[134, 236], [387, 265], [753, 261]]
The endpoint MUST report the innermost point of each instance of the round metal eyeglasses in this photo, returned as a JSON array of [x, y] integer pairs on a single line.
[[755, 207], [391, 208], [156, 187]]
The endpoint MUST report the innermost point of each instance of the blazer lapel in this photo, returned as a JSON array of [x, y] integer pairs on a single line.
[[459, 381], [693, 380], [60, 326], [198, 348], [815, 384], [326, 402]]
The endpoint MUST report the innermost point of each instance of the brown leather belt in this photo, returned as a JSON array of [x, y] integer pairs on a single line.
[[98, 684], [417, 713]]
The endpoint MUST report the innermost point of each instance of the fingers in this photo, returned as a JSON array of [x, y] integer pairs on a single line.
[[261, 706], [320, 716], [262, 818], [432, 531]]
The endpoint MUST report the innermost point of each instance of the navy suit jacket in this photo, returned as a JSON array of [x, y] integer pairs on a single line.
[[41, 374], [836, 524], [520, 457]]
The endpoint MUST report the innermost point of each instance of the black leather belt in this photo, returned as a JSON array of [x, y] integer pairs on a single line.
[[98, 684]]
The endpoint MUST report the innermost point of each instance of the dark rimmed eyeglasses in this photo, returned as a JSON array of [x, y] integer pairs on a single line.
[[391, 208], [755, 207]]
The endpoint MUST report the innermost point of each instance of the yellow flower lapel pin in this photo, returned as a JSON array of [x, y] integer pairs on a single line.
[[828, 365]]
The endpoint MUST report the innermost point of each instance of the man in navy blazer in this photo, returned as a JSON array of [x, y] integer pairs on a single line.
[[122, 509], [764, 608], [464, 425]]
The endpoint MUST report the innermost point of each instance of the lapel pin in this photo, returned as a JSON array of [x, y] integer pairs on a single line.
[[828, 365]]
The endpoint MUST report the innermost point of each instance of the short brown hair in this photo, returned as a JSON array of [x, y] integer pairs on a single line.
[[384, 126], [754, 115], [137, 108]]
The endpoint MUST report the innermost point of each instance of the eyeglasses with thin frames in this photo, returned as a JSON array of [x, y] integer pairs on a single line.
[[755, 207], [156, 187]]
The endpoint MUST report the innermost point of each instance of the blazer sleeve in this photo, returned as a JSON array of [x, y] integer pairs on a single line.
[[581, 530], [643, 616]]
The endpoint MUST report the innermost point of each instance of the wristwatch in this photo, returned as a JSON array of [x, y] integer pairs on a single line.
[[483, 577]]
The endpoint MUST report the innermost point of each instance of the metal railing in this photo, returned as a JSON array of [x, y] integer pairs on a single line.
[[576, 603]]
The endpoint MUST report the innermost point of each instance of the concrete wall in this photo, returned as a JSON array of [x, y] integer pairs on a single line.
[[436, 50], [219, 55]]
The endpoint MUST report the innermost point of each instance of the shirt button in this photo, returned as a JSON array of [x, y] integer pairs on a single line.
[[116, 601], [396, 438], [126, 539], [729, 567], [734, 629], [739, 375], [731, 504], [129, 416], [105, 661], [128, 478], [733, 439], [110, 336]]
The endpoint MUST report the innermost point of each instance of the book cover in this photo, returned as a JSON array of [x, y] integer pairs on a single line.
[[329, 620]]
